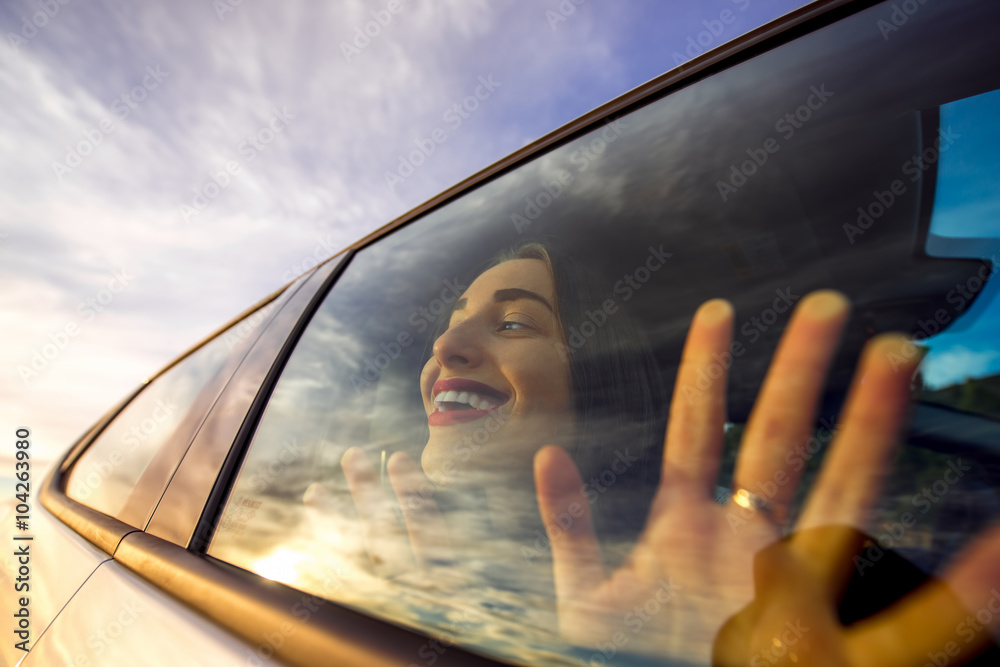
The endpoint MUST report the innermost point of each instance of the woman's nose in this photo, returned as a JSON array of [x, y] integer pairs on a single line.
[[459, 346]]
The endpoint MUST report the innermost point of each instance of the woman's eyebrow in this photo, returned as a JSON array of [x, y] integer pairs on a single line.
[[515, 294], [509, 294]]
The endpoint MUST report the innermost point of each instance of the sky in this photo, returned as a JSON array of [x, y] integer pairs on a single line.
[[165, 165]]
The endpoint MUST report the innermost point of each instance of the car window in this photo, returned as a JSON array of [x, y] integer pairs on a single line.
[[392, 469], [169, 408]]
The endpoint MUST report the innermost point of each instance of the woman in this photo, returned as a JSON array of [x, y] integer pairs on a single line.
[[504, 380], [704, 581]]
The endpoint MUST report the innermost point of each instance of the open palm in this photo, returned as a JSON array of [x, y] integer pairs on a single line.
[[694, 565]]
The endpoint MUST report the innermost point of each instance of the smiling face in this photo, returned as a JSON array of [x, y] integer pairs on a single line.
[[497, 387]]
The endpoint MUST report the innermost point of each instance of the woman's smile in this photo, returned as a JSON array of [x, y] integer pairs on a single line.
[[498, 368], [458, 400]]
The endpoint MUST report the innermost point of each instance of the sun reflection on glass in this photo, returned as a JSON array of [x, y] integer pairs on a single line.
[[281, 565]]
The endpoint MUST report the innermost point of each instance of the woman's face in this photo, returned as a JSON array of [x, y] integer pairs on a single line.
[[497, 387]]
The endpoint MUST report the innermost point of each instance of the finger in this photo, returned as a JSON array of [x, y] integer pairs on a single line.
[[974, 577], [379, 526], [953, 619], [698, 408], [851, 478], [930, 623], [424, 523], [784, 412], [565, 512]]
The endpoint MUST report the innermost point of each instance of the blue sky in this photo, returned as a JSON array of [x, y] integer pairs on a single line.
[[116, 115], [965, 206]]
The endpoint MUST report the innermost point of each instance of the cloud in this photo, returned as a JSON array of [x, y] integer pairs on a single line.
[[957, 364], [84, 83], [143, 106]]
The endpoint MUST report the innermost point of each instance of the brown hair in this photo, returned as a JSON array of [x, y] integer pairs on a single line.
[[618, 395]]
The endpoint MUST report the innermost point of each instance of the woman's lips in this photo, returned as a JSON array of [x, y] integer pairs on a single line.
[[456, 416], [469, 390]]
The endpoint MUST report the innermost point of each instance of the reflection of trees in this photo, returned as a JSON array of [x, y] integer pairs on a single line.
[[979, 396]]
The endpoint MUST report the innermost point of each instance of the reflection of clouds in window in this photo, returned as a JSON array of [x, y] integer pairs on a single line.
[[957, 364], [112, 465], [652, 191]]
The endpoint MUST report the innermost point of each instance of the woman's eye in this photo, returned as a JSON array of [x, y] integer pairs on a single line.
[[512, 325]]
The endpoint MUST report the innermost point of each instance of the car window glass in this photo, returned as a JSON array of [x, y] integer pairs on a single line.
[[392, 469], [171, 406]]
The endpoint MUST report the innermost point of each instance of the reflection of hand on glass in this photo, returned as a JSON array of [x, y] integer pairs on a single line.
[[706, 552], [389, 549]]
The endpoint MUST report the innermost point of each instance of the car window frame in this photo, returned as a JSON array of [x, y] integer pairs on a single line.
[[102, 530]]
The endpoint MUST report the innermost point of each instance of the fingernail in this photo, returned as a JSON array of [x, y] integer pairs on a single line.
[[898, 349], [715, 311], [825, 305]]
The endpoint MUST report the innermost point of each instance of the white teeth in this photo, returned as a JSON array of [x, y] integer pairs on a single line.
[[472, 399]]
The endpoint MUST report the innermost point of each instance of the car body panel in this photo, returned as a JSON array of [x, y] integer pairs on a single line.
[[117, 619], [59, 561]]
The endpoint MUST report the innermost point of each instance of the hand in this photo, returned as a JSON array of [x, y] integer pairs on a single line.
[[793, 620], [390, 550], [693, 565]]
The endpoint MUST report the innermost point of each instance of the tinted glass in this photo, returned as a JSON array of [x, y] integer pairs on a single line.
[[171, 407], [393, 469]]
